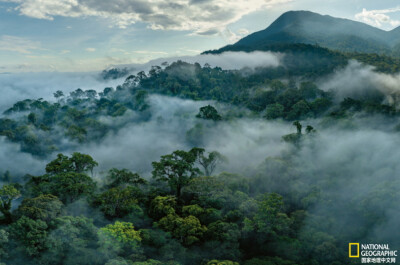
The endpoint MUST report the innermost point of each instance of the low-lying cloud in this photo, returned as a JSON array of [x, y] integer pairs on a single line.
[[226, 60], [357, 79], [20, 86]]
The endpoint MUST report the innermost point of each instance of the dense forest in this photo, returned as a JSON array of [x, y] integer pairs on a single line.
[[40, 126], [199, 204]]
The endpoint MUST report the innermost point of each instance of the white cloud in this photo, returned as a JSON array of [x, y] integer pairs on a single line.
[[18, 44], [200, 16], [90, 49], [379, 18], [233, 37]]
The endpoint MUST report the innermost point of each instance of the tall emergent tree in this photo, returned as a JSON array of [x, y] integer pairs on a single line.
[[8, 193], [178, 169], [210, 161], [77, 163], [209, 113]]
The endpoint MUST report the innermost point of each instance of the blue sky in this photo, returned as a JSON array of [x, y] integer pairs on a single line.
[[86, 35]]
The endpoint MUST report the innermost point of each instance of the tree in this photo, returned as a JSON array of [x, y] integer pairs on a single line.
[[309, 129], [320, 105], [210, 161], [117, 202], [269, 219], [77, 163], [58, 94], [274, 111], [177, 169], [120, 236], [91, 93], [161, 206], [299, 110], [8, 193], [78, 93], [187, 230], [73, 240], [208, 113], [298, 126], [123, 178], [32, 118], [82, 163], [107, 91], [70, 186], [45, 207], [31, 234]]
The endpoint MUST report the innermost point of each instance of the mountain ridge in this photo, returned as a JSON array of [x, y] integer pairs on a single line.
[[324, 30]]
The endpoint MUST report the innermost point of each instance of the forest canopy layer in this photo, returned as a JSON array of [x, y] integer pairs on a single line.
[[281, 162]]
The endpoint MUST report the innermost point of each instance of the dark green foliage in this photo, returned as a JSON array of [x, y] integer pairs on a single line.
[[184, 215], [123, 178], [270, 92], [222, 219], [208, 113], [8, 193], [118, 202], [274, 111], [30, 234], [44, 125], [177, 169], [73, 240], [114, 73], [68, 187], [78, 163], [45, 207]]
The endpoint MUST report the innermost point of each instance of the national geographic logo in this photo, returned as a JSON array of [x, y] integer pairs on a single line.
[[372, 253]]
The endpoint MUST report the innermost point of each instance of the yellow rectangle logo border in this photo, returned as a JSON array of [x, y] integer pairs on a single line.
[[358, 250]]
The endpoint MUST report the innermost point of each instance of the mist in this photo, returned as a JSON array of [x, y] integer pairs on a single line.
[[226, 60], [357, 80], [137, 145], [20, 86], [350, 160]]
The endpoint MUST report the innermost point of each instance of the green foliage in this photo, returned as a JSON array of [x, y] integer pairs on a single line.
[[123, 178], [209, 219], [78, 163], [123, 232], [72, 241], [30, 234], [210, 161], [161, 206], [270, 220], [188, 229], [68, 187], [45, 207], [177, 169], [118, 202], [274, 111], [8, 193], [208, 113]]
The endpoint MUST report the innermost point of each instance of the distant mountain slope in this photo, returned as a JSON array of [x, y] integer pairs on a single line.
[[334, 33]]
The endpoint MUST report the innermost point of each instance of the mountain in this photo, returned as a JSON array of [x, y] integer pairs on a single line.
[[326, 31]]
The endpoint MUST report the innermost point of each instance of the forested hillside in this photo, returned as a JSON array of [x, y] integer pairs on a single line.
[[264, 165], [340, 34]]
